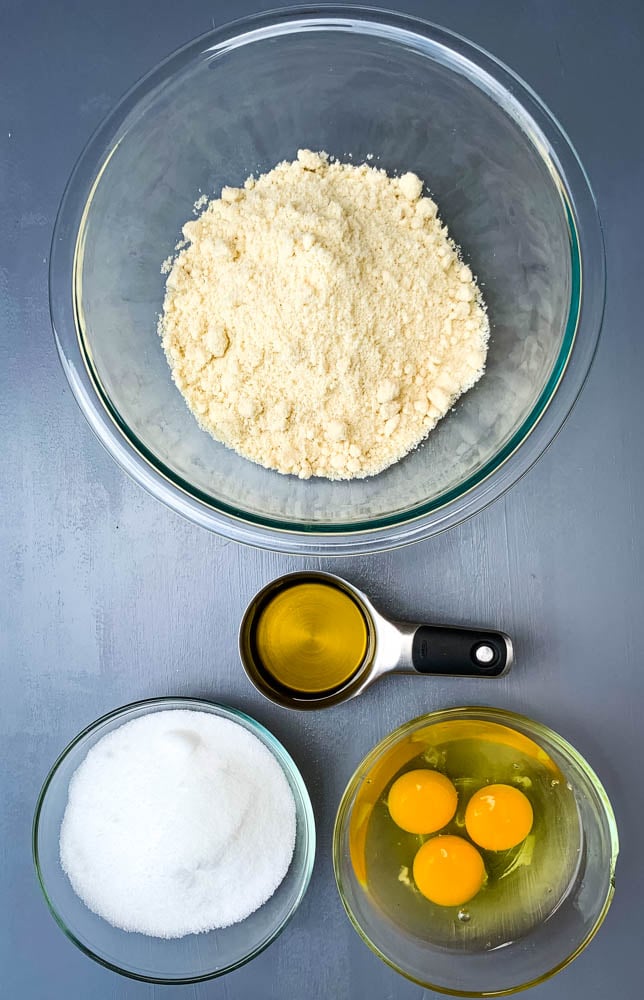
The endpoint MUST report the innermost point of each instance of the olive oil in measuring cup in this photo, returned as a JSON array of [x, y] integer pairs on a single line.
[[311, 640]]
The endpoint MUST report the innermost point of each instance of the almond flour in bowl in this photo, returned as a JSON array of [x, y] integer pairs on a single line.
[[319, 321]]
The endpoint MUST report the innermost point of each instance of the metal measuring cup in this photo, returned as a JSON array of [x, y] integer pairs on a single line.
[[392, 647]]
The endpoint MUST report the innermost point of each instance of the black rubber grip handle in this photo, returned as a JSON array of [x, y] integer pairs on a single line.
[[440, 649]]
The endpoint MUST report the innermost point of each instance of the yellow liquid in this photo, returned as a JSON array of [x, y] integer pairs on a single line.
[[523, 885], [311, 637]]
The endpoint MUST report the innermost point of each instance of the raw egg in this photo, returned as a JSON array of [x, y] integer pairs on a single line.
[[422, 801], [448, 870], [498, 817]]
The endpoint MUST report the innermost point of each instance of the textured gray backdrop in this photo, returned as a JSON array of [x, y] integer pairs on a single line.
[[109, 597]]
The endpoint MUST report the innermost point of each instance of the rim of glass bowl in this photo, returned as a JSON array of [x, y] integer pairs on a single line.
[[535, 730], [278, 751], [524, 447]]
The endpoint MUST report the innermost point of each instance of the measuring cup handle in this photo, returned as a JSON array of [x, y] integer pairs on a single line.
[[441, 649]]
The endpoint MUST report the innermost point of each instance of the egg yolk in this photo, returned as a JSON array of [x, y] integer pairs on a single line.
[[448, 870], [498, 817], [422, 801]]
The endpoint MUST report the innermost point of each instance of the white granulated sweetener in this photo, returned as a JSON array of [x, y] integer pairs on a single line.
[[319, 320], [178, 822]]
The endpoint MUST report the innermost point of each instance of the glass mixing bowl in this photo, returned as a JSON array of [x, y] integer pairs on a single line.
[[529, 959], [353, 82], [195, 957]]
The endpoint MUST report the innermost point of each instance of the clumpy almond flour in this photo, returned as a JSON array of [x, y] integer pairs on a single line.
[[319, 320]]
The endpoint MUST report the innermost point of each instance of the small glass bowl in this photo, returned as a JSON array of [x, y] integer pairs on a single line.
[[357, 83], [526, 961], [196, 957]]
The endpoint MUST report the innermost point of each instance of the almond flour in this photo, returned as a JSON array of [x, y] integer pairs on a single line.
[[319, 320]]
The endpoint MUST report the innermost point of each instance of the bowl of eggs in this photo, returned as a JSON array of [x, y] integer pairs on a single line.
[[475, 851]]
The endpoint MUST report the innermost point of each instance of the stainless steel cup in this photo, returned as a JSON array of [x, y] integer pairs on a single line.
[[392, 647]]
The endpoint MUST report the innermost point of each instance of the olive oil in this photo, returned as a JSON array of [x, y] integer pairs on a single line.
[[523, 885], [309, 638]]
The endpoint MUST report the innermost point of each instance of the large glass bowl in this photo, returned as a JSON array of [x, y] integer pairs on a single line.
[[529, 959], [195, 957], [353, 82]]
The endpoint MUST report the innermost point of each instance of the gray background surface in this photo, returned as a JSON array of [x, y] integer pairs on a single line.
[[109, 597]]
